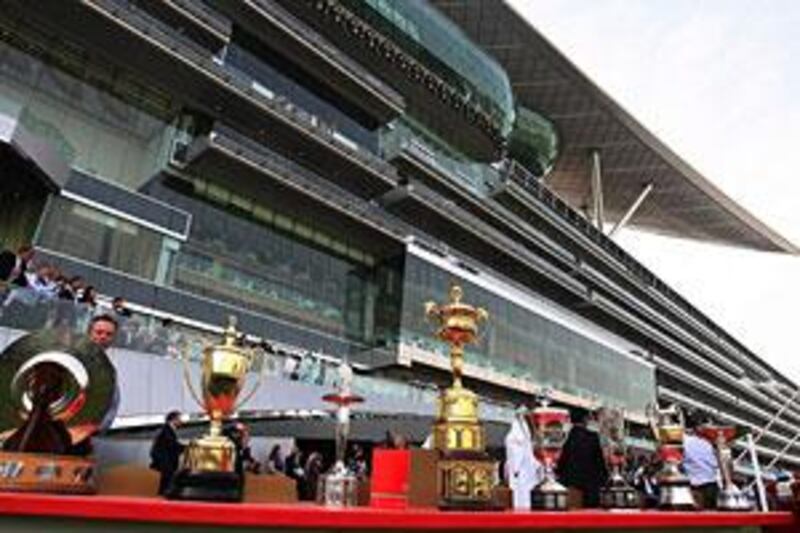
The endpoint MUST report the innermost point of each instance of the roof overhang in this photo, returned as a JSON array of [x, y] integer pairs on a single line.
[[683, 203]]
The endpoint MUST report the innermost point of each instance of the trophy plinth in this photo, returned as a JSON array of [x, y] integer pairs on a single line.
[[466, 475], [339, 487], [675, 492], [729, 498], [58, 393], [209, 471], [617, 494], [549, 427]]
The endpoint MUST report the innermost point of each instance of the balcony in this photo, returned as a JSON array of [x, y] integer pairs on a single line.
[[143, 44], [193, 19], [522, 192], [254, 170], [280, 30]]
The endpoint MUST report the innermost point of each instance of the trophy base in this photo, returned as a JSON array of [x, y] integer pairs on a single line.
[[676, 498], [466, 481], [549, 495], [40, 472], [733, 499], [338, 489], [620, 497], [207, 486]]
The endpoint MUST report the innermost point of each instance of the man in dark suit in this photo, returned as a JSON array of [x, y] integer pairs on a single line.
[[581, 466], [166, 451], [14, 265]]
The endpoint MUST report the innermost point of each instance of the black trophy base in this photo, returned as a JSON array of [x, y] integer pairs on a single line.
[[207, 486], [620, 498], [548, 501]]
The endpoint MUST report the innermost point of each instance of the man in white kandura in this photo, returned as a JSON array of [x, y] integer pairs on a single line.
[[522, 470]]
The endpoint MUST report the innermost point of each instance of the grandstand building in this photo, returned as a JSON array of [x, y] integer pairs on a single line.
[[321, 168]]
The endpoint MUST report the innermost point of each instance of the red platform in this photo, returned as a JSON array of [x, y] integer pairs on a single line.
[[148, 511]]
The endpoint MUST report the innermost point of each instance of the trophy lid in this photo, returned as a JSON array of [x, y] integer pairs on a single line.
[[85, 396]]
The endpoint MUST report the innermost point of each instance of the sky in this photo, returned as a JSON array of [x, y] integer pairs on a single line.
[[719, 82]]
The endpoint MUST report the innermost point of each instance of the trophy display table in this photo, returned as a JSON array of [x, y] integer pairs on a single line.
[[38, 512]]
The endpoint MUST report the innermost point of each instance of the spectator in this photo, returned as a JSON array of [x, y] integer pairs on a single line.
[[312, 473], [166, 451], [120, 308], [275, 462], [357, 465], [13, 266], [581, 467], [239, 433], [88, 297], [293, 467], [71, 289], [102, 330], [700, 463]]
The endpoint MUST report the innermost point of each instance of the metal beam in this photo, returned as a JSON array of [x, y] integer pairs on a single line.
[[597, 190], [631, 210]]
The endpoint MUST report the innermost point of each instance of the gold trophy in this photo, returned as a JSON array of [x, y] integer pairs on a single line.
[[617, 494], [466, 475], [209, 463], [729, 498], [58, 391], [668, 427]]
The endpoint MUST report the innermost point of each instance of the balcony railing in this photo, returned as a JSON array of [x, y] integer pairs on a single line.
[[534, 186]]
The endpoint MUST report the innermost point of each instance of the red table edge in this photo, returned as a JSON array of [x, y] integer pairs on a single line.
[[129, 509]]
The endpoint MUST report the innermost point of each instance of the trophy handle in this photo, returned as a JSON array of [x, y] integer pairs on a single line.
[[187, 378], [257, 384]]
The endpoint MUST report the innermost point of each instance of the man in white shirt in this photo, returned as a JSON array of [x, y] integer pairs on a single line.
[[700, 464], [522, 470]]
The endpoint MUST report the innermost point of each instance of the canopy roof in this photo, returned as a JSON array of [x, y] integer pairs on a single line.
[[683, 203]]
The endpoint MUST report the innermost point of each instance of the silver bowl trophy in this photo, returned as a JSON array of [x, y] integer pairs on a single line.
[[339, 487], [617, 494], [549, 427], [729, 498], [668, 427]]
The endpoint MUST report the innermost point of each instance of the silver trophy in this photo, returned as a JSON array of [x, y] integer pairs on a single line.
[[339, 487], [549, 428], [617, 494], [729, 498]]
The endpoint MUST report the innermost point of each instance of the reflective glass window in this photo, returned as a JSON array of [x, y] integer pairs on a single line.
[[522, 343], [81, 231]]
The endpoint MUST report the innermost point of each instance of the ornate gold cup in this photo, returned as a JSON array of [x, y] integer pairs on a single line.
[[466, 474], [209, 463], [668, 427]]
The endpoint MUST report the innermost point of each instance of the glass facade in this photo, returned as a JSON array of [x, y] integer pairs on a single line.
[[422, 31], [87, 233], [525, 344], [98, 117], [534, 142], [255, 255], [274, 73]]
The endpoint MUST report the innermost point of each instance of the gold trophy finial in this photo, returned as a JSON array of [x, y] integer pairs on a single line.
[[466, 473]]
